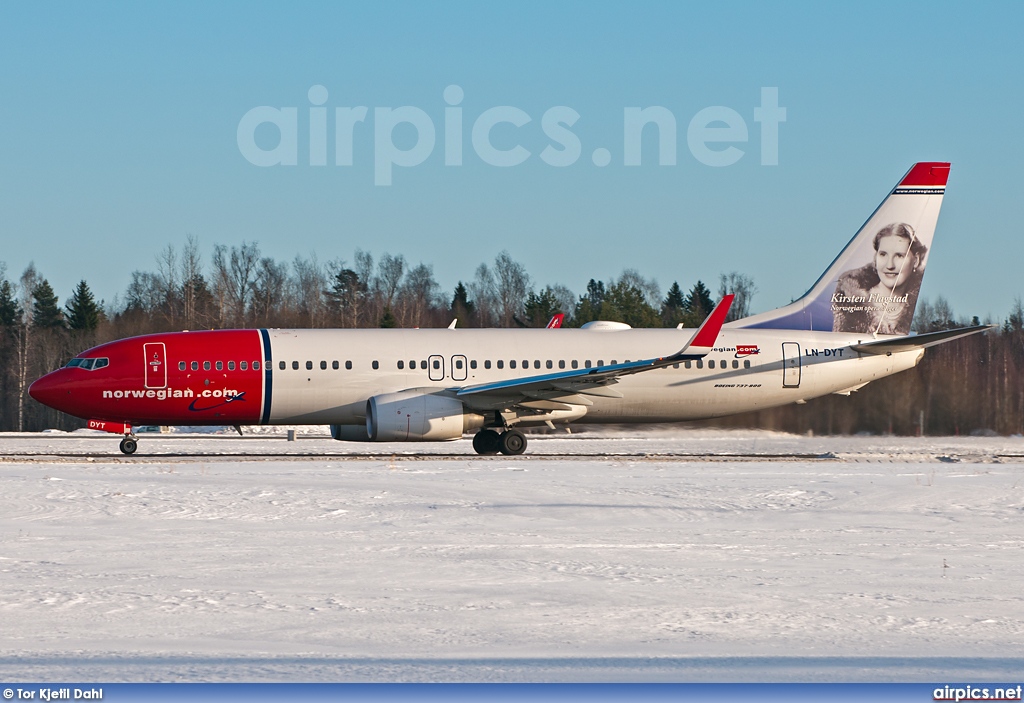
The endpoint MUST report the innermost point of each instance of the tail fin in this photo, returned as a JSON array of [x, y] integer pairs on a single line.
[[872, 286]]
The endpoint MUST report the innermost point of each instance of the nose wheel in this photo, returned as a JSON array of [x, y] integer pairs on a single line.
[[129, 445], [490, 442]]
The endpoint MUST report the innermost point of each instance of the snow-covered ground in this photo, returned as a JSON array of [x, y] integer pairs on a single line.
[[646, 555]]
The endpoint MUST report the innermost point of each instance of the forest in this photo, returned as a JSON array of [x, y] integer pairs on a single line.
[[973, 385]]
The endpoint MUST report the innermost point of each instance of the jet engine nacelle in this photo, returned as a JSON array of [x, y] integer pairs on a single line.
[[417, 416], [350, 433]]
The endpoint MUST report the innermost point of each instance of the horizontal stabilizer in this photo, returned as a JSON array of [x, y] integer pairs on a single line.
[[917, 341]]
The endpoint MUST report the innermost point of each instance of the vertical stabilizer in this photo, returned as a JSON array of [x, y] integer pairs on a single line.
[[872, 286]]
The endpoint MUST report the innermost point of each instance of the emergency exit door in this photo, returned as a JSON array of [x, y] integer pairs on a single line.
[[790, 365]]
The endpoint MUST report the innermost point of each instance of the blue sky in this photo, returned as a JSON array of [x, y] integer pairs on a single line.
[[118, 136]]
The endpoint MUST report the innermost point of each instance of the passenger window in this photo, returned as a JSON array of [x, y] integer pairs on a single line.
[[586, 364], [700, 363], [437, 364], [401, 365], [255, 366], [561, 363], [575, 364], [206, 366], [600, 362], [549, 365], [711, 363], [687, 364], [195, 365], [746, 363], [181, 364], [335, 364], [458, 364], [526, 363], [487, 364], [735, 364], [220, 365], [501, 363], [512, 364], [375, 364], [348, 365], [295, 365], [231, 366], [323, 365], [281, 365], [614, 362], [472, 363], [243, 365], [675, 366], [309, 366], [536, 364]]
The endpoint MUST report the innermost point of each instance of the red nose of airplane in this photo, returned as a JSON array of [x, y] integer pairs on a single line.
[[52, 390]]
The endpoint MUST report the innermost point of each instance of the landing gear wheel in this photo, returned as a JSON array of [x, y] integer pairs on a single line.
[[487, 442], [129, 445], [513, 442]]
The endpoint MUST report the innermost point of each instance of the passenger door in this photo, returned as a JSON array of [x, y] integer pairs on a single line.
[[156, 364]]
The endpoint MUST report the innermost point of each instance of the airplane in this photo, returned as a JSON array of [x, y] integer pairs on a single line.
[[423, 385]]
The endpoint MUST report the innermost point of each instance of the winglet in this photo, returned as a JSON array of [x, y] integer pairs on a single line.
[[704, 338]]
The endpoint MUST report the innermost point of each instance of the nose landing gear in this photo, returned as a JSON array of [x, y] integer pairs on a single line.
[[490, 442]]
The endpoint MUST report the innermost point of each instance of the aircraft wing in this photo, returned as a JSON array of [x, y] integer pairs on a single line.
[[573, 386], [917, 341]]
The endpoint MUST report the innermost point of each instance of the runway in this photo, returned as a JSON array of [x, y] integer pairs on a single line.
[[662, 555]]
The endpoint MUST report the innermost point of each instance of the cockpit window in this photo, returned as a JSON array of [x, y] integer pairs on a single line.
[[89, 364]]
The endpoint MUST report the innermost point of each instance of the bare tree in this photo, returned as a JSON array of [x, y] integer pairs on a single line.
[[310, 282], [167, 276], [418, 297], [234, 279], [512, 285], [30, 280], [269, 287], [390, 270], [484, 296], [741, 286], [193, 285]]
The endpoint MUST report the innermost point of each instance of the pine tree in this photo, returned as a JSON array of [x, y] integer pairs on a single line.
[[699, 302], [83, 312], [387, 320], [462, 307], [10, 313], [673, 308], [626, 303], [540, 307], [45, 311]]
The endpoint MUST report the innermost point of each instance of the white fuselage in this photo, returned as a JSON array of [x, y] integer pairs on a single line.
[[787, 366]]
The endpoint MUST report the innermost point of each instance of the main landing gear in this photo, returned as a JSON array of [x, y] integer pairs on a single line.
[[509, 442], [129, 444]]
